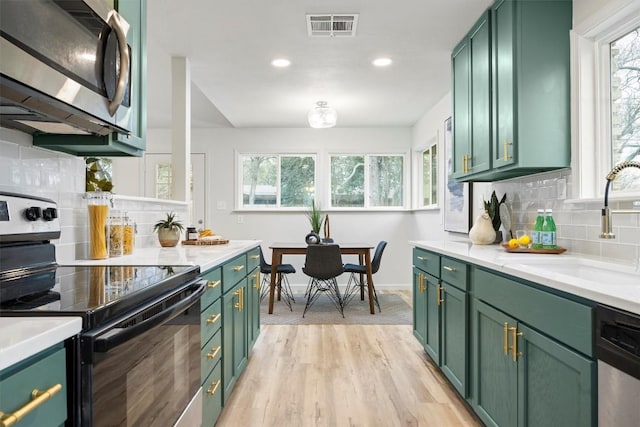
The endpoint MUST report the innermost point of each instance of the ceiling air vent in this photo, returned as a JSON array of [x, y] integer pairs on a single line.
[[332, 25]]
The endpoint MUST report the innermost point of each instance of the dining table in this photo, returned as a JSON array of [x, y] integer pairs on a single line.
[[363, 250]]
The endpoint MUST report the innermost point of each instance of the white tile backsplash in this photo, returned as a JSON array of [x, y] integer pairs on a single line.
[[29, 170], [578, 223]]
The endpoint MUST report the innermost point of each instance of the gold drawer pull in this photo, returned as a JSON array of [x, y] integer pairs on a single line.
[[213, 318], [446, 267], [213, 284], [423, 258], [214, 388], [238, 267], [214, 352], [254, 256], [37, 398]]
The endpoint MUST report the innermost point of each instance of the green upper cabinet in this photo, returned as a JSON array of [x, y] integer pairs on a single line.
[[117, 144], [471, 63], [528, 116]]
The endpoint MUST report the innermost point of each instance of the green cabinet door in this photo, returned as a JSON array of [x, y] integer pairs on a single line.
[[555, 384], [240, 343], [419, 306], [454, 332], [493, 371], [461, 97], [234, 336], [253, 307], [432, 339]]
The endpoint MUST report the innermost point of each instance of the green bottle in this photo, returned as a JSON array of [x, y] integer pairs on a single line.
[[549, 231], [536, 235]]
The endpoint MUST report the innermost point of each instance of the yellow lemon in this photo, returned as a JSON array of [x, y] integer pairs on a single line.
[[524, 240], [513, 243]]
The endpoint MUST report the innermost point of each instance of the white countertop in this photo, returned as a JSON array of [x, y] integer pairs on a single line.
[[206, 256], [596, 279], [23, 337]]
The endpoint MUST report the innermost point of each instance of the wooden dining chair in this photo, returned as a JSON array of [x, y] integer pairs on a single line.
[[358, 272], [323, 264]]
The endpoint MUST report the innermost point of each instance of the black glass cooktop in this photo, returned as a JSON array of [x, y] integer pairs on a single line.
[[97, 293]]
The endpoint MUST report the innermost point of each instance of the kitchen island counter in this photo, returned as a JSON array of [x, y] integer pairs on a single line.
[[598, 279]]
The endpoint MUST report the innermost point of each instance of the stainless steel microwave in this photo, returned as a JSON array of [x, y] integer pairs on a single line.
[[65, 67]]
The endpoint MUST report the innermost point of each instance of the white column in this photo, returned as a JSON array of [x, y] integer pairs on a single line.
[[180, 127]]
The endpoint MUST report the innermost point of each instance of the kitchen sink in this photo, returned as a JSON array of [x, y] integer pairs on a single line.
[[580, 268]]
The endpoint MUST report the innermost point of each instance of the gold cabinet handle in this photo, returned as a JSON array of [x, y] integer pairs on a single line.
[[37, 398], [507, 143], [505, 339], [423, 258], [213, 318], [238, 267], [464, 163], [214, 387], [446, 267], [240, 304], [256, 285], [439, 294], [254, 256], [421, 283], [213, 284], [214, 352], [514, 336]]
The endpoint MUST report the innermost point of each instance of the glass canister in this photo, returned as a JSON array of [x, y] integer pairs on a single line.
[[98, 210], [116, 233], [129, 235]]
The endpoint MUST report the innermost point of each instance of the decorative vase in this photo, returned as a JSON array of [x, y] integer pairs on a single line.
[[168, 237], [312, 238], [482, 232]]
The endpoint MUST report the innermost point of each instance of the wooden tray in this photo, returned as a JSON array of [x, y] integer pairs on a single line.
[[205, 242], [532, 250]]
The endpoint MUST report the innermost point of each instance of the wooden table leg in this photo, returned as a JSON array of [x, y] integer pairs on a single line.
[[367, 263], [276, 260]]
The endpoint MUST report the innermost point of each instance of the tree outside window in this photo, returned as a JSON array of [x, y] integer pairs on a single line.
[[625, 107]]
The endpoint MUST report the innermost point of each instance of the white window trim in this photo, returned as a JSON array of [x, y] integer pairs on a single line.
[[590, 159], [418, 196]]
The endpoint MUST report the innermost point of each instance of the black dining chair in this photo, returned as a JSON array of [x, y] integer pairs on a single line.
[[282, 282], [359, 271], [323, 264]]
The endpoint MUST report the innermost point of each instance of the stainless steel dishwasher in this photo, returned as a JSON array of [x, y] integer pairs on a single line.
[[618, 350]]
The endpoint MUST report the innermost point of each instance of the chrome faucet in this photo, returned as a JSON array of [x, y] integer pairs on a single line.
[[605, 220]]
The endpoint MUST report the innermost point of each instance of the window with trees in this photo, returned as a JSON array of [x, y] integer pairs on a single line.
[[625, 106], [367, 181], [274, 181]]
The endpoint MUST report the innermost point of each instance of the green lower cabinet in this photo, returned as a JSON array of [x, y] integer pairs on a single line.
[[432, 339], [524, 378], [419, 306], [234, 336], [212, 397], [454, 332]]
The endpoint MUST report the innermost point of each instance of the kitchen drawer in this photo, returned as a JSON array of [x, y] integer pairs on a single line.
[[210, 321], [211, 354], [233, 271], [212, 397], [453, 272], [214, 287], [253, 259], [568, 321], [426, 261], [42, 372]]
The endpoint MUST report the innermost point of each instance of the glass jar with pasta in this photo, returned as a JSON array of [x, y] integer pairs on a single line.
[[98, 210], [129, 235], [116, 234]]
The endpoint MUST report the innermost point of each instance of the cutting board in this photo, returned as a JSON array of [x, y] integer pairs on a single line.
[[205, 242], [532, 250]]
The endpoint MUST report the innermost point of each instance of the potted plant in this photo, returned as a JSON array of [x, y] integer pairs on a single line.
[[492, 207], [315, 220], [168, 230]]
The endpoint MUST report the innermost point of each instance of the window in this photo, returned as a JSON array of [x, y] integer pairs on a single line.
[[163, 181], [606, 57], [625, 107], [364, 181], [274, 181], [429, 176]]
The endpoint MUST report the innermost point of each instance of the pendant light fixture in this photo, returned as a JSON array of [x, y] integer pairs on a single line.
[[322, 116]]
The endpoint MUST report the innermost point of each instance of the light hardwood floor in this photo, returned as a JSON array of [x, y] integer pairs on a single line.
[[342, 375]]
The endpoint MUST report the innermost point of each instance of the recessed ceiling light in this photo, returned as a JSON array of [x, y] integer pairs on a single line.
[[280, 63], [382, 62]]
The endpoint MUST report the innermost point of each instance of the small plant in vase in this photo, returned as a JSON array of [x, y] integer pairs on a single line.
[[492, 207], [315, 220], [169, 230]]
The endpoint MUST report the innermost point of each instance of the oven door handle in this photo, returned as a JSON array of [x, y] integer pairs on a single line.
[[112, 339]]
